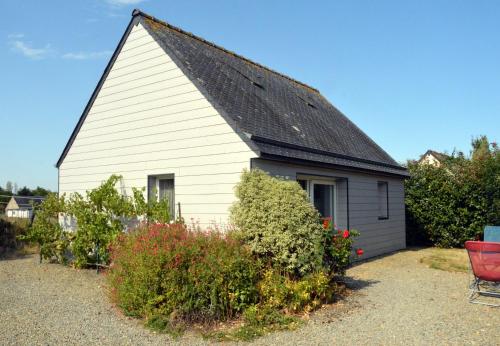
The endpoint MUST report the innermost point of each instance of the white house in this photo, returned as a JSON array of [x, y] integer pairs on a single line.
[[22, 206], [175, 112], [433, 158]]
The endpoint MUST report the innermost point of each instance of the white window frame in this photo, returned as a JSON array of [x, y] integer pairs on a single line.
[[310, 182], [383, 202]]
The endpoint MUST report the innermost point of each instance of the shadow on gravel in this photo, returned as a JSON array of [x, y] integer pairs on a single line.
[[372, 259], [10, 254], [357, 284]]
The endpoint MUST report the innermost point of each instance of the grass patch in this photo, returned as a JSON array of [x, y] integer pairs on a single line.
[[451, 260]]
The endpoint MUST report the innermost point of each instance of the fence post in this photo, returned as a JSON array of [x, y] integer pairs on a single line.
[[180, 214], [97, 258]]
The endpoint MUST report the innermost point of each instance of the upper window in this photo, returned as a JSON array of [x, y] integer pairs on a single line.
[[383, 200]]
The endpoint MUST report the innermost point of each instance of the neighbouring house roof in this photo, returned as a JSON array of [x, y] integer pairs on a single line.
[[23, 202], [280, 116], [439, 156]]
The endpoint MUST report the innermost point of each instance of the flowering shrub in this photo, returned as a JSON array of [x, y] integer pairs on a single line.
[[338, 247], [305, 294], [169, 271], [279, 223]]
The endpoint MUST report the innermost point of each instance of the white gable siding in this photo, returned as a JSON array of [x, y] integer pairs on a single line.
[[150, 119]]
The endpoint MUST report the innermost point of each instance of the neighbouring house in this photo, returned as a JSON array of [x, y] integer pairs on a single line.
[[177, 114], [433, 158], [22, 206]]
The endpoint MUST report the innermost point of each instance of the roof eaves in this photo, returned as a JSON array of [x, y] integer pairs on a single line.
[[258, 139]]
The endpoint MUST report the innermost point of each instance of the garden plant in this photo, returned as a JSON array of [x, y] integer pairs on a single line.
[[278, 261], [452, 203], [173, 275]]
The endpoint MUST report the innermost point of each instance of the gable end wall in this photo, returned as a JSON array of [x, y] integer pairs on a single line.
[[149, 119]]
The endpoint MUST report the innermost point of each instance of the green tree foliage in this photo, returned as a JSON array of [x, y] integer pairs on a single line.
[[39, 191], [452, 203], [100, 218], [153, 210], [11, 230], [4, 199], [9, 187], [24, 191], [276, 219], [46, 230]]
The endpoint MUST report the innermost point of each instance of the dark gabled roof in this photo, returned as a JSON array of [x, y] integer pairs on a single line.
[[27, 202], [439, 156], [281, 116]]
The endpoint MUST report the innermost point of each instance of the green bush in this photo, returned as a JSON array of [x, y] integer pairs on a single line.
[[305, 294], [277, 220], [100, 218], [154, 210], [12, 230], [166, 272], [452, 203], [46, 231]]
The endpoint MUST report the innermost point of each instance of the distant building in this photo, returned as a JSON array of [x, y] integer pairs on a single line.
[[433, 158], [22, 206]]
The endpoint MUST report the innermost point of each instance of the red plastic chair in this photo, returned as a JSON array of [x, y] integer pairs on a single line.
[[485, 262]]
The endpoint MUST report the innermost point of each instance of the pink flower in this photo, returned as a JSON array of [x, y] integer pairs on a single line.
[[345, 234]]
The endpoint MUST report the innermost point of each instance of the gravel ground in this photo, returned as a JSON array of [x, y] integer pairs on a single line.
[[397, 300]]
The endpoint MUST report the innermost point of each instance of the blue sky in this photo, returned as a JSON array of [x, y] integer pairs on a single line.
[[413, 75]]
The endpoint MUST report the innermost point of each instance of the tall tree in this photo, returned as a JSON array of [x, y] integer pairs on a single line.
[[25, 191], [40, 191], [9, 186]]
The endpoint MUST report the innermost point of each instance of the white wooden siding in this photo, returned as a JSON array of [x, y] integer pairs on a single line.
[[377, 236], [150, 119]]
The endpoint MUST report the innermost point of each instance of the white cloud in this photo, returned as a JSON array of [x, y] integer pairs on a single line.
[[28, 51], [124, 2], [87, 55], [14, 36]]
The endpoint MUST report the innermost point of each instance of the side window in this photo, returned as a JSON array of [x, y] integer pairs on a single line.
[[162, 186], [166, 190], [383, 200]]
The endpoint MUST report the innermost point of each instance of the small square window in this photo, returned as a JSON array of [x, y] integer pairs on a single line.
[[383, 200]]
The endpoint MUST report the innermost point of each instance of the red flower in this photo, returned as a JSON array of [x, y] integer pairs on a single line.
[[359, 252], [345, 234], [326, 223]]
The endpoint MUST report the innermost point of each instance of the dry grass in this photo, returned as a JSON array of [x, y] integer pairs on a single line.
[[451, 260]]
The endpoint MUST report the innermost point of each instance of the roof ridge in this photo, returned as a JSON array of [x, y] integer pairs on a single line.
[[137, 12]]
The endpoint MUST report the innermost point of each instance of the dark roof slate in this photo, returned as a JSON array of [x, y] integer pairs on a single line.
[[266, 104], [439, 156], [27, 202], [260, 104]]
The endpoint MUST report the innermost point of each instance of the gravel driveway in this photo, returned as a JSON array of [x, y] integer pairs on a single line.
[[397, 301]]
